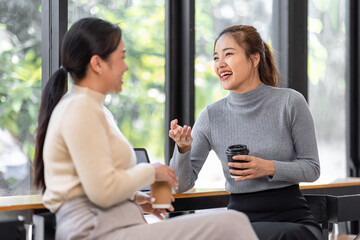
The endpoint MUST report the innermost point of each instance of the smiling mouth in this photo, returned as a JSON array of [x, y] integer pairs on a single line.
[[225, 75]]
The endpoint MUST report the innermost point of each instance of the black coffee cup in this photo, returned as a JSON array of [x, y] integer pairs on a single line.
[[234, 150]]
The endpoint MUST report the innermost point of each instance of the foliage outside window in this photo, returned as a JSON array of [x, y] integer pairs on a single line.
[[211, 17], [20, 92], [326, 71], [139, 109]]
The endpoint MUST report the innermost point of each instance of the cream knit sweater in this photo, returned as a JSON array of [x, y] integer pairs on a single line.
[[86, 154]]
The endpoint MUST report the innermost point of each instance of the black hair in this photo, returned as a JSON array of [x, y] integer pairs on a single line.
[[86, 38]]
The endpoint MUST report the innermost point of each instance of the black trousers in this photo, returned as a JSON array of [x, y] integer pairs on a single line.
[[278, 214]]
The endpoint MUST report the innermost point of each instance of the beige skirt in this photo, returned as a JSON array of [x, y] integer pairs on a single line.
[[80, 219]]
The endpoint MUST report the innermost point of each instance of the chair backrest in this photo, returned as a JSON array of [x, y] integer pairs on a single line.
[[318, 207], [13, 230], [44, 224]]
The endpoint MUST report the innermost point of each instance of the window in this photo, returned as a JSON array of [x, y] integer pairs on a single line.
[[140, 108], [211, 17], [326, 71], [20, 92]]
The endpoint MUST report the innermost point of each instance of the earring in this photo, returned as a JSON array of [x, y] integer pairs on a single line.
[[100, 72]]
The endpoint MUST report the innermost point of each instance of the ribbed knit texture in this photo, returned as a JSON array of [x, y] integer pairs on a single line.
[[275, 124], [85, 153]]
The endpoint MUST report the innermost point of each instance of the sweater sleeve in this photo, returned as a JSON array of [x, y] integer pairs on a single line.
[[188, 165], [85, 135], [306, 166]]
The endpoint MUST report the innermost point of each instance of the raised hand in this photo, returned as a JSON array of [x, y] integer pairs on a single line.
[[181, 135]]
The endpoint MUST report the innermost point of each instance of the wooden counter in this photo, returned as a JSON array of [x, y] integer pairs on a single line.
[[213, 197]]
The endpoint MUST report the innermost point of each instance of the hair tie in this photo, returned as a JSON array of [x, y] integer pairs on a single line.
[[263, 49], [62, 68]]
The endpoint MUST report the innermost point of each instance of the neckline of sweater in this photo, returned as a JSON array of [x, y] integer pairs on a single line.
[[248, 97], [99, 97]]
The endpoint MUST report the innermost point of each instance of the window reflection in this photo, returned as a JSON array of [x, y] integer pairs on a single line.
[[211, 17], [20, 91], [139, 110], [326, 71]]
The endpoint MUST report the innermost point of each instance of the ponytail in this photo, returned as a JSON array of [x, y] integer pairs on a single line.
[[268, 72], [55, 88], [85, 38]]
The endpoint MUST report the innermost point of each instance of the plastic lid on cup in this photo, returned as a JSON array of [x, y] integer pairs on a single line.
[[238, 149]]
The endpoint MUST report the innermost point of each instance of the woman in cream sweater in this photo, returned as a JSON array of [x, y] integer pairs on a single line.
[[86, 167]]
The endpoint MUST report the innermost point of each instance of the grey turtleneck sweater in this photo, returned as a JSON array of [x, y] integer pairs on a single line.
[[275, 124]]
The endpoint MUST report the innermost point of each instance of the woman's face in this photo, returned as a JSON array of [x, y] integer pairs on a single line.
[[116, 67], [234, 69]]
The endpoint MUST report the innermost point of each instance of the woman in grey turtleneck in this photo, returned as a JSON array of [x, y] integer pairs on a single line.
[[275, 124]]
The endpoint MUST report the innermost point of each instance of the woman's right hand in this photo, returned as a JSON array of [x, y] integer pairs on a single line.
[[165, 173], [181, 135]]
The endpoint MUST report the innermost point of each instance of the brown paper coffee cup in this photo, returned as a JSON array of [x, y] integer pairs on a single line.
[[161, 191]]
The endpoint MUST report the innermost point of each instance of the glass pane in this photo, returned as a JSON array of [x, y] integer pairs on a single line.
[[20, 91], [326, 71], [211, 17], [140, 108]]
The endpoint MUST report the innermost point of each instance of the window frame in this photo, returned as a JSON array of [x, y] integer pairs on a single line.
[[290, 38], [54, 26]]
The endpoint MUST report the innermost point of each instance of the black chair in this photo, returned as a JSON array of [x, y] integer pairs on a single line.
[[329, 209], [319, 208], [44, 224], [13, 230]]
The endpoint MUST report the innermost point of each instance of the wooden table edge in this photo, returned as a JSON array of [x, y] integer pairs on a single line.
[[190, 195], [22, 207]]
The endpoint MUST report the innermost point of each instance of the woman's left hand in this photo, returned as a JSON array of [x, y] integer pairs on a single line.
[[145, 201], [252, 168]]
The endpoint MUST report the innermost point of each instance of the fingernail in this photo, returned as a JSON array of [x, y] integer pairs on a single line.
[[152, 199]]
